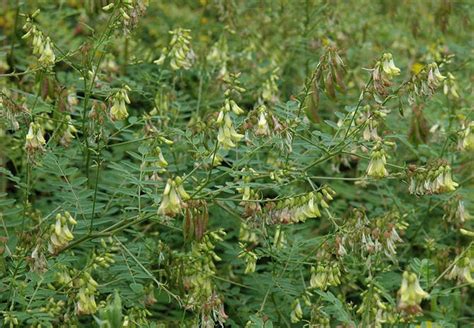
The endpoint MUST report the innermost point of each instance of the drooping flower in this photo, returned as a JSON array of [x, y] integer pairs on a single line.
[[433, 179], [227, 136], [298, 209], [68, 132], [388, 65], [179, 50], [47, 56], [85, 299], [296, 312], [462, 270], [34, 138], [376, 167], [262, 129], [325, 275], [118, 111], [174, 197], [411, 293], [61, 235], [383, 72], [249, 257], [467, 138], [434, 76]]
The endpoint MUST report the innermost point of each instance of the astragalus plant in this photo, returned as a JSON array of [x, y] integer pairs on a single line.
[[260, 163]]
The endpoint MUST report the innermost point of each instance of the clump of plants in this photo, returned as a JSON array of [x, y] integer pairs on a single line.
[[236, 164]]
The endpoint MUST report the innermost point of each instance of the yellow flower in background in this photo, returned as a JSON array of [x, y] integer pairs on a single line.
[[417, 68]]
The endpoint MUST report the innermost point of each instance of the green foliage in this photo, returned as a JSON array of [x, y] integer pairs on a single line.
[[211, 163]]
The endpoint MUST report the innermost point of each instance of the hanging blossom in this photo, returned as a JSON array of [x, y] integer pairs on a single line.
[[85, 299], [466, 141], [462, 270], [450, 86], [61, 235], [298, 209], [174, 197], [434, 76], [118, 111], [227, 136], [218, 56], [425, 82], [455, 212], [262, 128], [296, 311], [130, 12], [68, 132], [325, 274], [34, 139], [433, 179], [179, 50], [371, 236], [376, 167], [411, 293], [42, 46], [383, 72], [372, 117], [249, 257]]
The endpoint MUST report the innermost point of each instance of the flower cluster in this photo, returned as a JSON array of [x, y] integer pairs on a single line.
[[383, 72], [37, 260], [42, 46], [179, 50], [247, 234], [53, 308], [130, 12], [325, 274], [450, 86], [425, 82], [61, 235], [250, 197], [85, 299], [197, 269], [455, 211], [372, 117], [410, 293], [174, 197], [103, 257], [218, 56], [432, 179], [157, 164], [296, 311], [298, 209], [376, 167], [463, 268], [34, 139], [466, 142], [68, 131], [227, 136], [262, 128], [249, 257], [118, 111], [377, 235]]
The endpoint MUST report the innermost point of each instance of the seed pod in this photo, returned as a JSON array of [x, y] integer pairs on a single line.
[[339, 74], [312, 103], [329, 86]]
